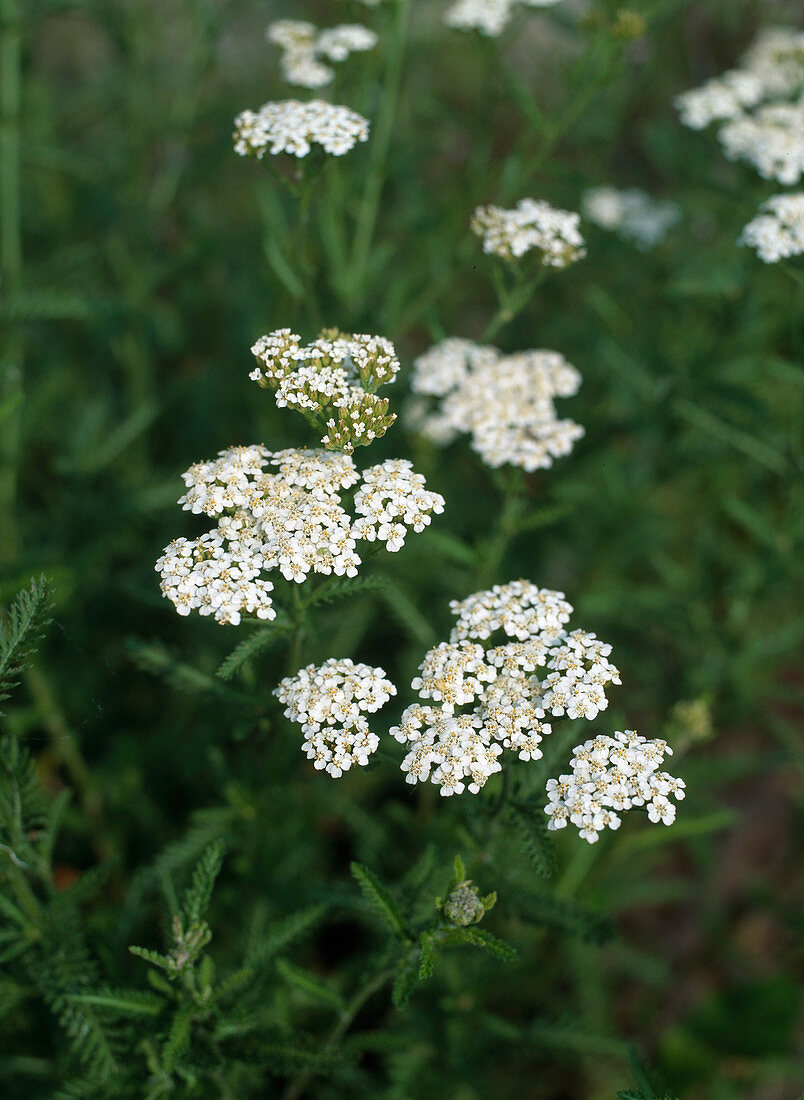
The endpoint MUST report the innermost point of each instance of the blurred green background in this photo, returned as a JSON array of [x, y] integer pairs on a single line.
[[149, 267]]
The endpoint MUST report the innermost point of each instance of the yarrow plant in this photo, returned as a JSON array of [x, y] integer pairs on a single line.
[[532, 225], [632, 213], [778, 232], [611, 775], [304, 46], [505, 403], [437, 710]]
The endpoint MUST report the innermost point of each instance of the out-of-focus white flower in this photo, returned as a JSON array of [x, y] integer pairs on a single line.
[[329, 701], [303, 46], [778, 233], [489, 17], [760, 103], [772, 139], [632, 213], [332, 381], [502, 684], [290, 126], [503, 402], [531, 224], [291, 520], [609, 775], [722, 98]]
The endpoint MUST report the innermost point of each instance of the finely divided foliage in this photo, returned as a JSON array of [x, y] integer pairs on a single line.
[[189, 905]]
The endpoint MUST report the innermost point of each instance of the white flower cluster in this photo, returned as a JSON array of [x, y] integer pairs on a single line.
[[778, 233], [504, 402], [392, 499], [218, 576], [532, 223], [760, 103], [329, 702], [291, 520], [632, 213], [489, 17], [290, 126], [303, 46], [331, 381], [772, 139], [609, 775], [459, 751]]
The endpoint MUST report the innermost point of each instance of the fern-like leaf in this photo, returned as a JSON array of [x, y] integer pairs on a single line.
[[199, 893], [283, 932], [380, 900], [488, 942], [26, 622], [427, 957], [310, 985], [258, 641], [405, 980], [121, 1002], [340, 587], [531, 827]]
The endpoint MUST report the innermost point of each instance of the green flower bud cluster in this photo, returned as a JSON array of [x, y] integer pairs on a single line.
[[331, 382]]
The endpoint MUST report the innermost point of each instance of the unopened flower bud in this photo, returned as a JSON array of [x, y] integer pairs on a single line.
[[463, 905]]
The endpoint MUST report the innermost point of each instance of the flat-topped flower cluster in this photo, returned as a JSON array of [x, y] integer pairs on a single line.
[[291, 126], [531, 224], [489, 17], [306, 49], [331, 381], [527, 669], [610, 775], [330, 702], [505, 403], [290, 519], [760, 104], [632, 213], [778, 232]]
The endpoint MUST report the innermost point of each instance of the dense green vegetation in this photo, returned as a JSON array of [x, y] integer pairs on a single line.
[[140, 259]]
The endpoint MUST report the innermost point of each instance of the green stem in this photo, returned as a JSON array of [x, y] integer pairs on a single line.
[[507, 528], [297, 637], [511, 299], [576, 870], [304, 254], [11, 364], [380, 146], [296, 1087]]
